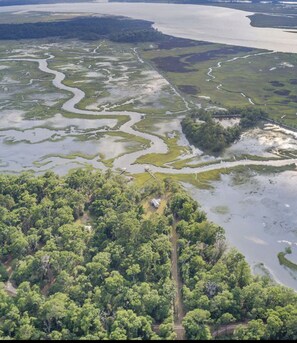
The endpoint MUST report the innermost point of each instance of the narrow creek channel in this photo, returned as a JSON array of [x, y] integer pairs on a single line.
[[157, 145]]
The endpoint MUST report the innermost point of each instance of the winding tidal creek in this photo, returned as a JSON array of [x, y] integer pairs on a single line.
[[256, 211]]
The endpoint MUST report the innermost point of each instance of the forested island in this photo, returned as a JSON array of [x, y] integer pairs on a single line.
[[204, 132], [87, 260]]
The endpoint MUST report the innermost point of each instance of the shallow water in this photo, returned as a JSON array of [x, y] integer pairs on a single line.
[[37, 149], [264, 143], [258, 213], [16, 120]]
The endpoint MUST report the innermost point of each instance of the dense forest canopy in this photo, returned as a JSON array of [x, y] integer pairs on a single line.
[[87, 263], [109, 279], [117, 29], [211, 136]]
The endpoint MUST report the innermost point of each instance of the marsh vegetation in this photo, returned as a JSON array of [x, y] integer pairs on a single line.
[[68, 103]]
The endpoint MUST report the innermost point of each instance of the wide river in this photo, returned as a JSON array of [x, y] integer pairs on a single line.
[[206, 23]]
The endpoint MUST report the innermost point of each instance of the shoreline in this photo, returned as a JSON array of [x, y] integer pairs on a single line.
[[206, 23]]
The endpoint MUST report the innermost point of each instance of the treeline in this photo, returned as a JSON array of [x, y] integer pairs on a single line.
[[211, 136], [250, 116], [219, 288], [117, 29], [148, 35], [111, 278], [106, 280]]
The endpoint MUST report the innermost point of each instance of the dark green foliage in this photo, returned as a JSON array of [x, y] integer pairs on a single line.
[[211, 136], [111, 278], [3, 273], [148, 35], [195, 324], [286, 262], [88, 28], [266, 20], [251, 117], [183, 207], [106, 280], [219, 288]]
